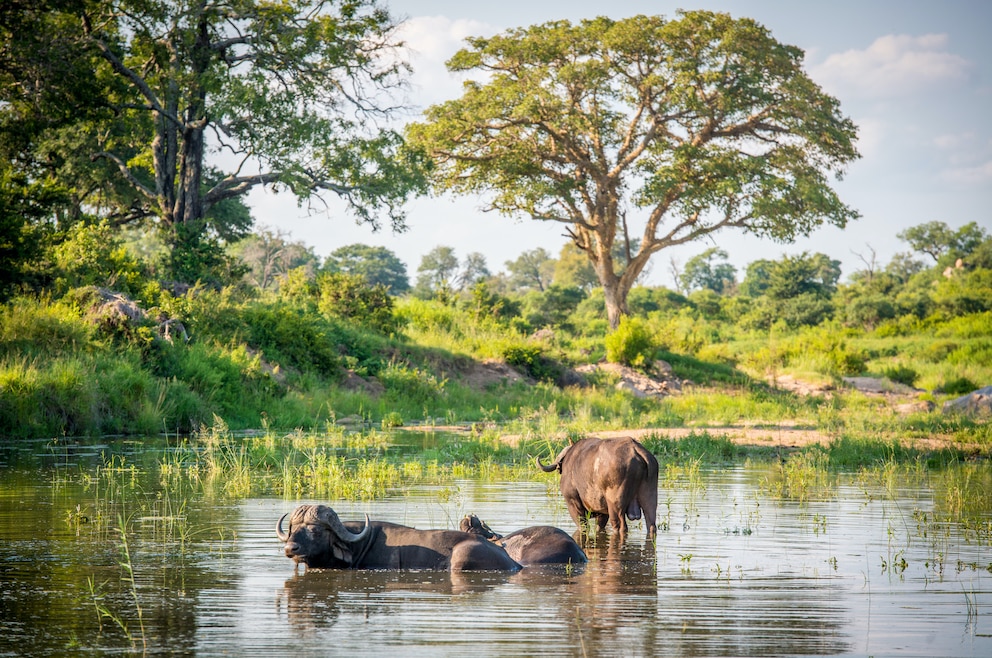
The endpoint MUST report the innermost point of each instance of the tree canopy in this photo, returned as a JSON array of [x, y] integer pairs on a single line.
[[377, 265], [642, 130], [167, 111], [704, 272]]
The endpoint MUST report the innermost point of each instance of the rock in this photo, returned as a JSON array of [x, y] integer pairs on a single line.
[[879, 386], [355, 382], [799, 386], [663, 369], [976, 403], [919, 406], [543, 335], [634, 382]]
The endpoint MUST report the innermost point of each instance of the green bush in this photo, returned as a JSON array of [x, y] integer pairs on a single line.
[[630, 344], [411, 385], [426, 315], [348, 296], [288, 337], [94, 254], [959, 386], [901, 374], [531, 359], [40, 327]]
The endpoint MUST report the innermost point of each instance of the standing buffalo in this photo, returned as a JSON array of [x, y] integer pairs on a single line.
[[608, 479], [539, 544], [319, 539]]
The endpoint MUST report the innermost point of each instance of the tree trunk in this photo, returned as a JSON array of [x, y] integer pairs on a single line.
[[616, 301]]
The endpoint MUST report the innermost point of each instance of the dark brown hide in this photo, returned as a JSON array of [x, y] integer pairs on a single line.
[[610, 479], [317, 538], [538, 544]]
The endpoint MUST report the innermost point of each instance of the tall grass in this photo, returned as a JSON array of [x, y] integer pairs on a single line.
[[259, 361]]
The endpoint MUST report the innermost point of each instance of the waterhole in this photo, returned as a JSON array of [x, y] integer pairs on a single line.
[[860, 565]]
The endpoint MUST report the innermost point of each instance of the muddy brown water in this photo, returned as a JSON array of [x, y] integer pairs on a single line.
[[867, 570]]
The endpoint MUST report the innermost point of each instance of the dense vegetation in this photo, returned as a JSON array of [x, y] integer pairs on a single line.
[[321, 345], [138, 295]]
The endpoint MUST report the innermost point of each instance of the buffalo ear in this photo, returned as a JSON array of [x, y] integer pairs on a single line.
[[342, 554]]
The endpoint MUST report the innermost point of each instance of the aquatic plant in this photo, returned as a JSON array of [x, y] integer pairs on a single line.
[[801, 477]]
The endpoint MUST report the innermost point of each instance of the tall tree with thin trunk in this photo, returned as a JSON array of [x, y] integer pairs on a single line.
[[641, 134]]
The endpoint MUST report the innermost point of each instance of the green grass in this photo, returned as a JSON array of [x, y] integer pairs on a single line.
[[257, 361]]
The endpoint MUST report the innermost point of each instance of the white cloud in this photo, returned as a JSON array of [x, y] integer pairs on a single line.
[[977, 175], [893, 65], [952, 141], [430, 42]]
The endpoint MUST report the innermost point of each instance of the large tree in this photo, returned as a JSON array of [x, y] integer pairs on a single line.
[[532, 270], [290, 94], [936, 239], [705, 272], [377, 265], [663, 131]]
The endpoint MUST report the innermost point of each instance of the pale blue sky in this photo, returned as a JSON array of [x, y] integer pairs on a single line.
[[915, 76]]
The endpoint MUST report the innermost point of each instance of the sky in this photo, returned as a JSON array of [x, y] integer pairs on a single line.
[[914, 76]]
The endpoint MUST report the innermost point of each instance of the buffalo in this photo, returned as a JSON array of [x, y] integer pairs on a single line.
[[609, 480], [317, 538], [539, 544]]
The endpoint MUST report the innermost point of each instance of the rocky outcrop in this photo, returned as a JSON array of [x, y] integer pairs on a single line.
[[661, 382], [976, 403]]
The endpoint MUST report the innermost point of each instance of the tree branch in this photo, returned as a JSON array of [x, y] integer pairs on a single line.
[[137, 184]]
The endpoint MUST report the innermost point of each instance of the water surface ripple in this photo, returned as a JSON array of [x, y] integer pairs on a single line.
[[862, 570]]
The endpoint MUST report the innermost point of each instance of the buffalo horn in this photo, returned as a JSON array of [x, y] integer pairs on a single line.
[[279, 533], [547, 469], [332, 521], [556, 466]]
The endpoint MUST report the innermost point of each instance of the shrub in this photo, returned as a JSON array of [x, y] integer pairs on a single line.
[[630, 344], [412, 385], [349, 296], [93, 254], [30, 327], [530, 358], [959, 386], [287, 336], [901, 374], [426, 315]]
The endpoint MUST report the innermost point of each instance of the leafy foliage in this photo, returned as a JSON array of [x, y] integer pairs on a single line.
[[574, 122], [377, 265], [631, 344], [134, 89]]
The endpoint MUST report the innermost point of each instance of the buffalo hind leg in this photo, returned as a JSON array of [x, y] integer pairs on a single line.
[[647, 497], [617, 518]]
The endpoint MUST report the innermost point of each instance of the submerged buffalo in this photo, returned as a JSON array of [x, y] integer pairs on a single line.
[[608, 479], [317, 538], [539, 544]]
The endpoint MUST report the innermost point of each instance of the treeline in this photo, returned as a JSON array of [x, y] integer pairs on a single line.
[[943, 272], [105, 346]]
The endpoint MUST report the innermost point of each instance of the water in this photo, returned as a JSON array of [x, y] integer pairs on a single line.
[[866, 570]]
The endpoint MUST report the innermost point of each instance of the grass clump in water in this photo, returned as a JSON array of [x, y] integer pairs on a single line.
[[802, 477]]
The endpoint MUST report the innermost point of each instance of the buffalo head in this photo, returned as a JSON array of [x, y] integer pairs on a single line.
[[317, 538]]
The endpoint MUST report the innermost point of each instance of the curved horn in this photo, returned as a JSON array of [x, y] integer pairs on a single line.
[[330, 518], [546, 469], [556, 465], [279, 533]]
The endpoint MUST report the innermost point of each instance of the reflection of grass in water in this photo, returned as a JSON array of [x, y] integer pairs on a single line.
[[803, 476], [127, 576]]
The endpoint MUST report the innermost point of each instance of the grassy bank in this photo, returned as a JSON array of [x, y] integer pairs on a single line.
[[77, 366]]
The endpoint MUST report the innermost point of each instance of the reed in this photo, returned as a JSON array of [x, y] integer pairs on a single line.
[[801, 477]]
